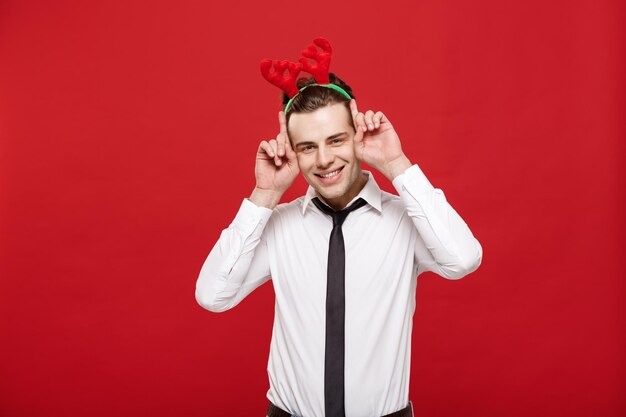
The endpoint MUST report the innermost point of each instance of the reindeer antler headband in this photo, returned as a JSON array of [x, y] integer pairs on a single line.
[[319, 70]]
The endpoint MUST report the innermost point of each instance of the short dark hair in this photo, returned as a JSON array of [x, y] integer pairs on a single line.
[[315, 97]]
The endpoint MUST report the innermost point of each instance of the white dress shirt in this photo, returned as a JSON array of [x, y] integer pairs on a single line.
[[389, 242]]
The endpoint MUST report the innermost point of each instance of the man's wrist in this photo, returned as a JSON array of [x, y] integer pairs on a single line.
[[396, 167], [265, 198]]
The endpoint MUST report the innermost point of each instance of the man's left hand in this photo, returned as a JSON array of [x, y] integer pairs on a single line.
[[377, 144]]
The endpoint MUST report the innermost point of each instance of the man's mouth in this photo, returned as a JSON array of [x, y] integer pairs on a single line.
[[330, 174], [330, 177]]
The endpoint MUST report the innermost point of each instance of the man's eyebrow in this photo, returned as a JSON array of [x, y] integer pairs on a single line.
[[335, 136]]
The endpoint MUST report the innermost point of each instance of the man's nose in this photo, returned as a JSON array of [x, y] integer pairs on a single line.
[[325, 157]]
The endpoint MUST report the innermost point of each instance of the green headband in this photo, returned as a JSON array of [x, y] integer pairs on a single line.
[[331, 86]]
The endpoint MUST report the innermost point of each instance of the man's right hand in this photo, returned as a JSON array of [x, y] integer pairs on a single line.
[[276, 168]]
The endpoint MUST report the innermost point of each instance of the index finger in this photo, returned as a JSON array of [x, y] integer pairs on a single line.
[[353, 108], [282, 121]]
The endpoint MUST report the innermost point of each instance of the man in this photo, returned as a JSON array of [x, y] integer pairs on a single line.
[[389, 241]]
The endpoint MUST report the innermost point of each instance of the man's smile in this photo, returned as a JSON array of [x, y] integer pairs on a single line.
[[330, 177]]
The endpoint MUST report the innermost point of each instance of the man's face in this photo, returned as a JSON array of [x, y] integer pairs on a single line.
[[324, 145]]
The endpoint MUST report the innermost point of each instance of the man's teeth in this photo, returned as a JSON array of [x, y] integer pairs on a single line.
[[332, 174]]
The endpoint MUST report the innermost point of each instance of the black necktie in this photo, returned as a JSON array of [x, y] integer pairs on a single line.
[[335, 312]]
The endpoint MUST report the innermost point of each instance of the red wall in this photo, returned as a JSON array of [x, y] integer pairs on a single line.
[[128, 133]]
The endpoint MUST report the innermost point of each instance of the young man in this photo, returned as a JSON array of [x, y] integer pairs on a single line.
[[388, 242], [344, 281]]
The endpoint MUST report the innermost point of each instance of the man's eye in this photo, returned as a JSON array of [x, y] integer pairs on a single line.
[[336, 141]]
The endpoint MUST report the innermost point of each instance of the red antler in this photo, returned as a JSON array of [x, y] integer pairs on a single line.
[[286, 82], [319, 69]]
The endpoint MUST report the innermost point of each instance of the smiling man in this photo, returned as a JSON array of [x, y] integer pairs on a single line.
[[324, 145], [343, 259]]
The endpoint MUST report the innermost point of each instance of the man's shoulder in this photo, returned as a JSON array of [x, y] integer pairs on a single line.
[[289, 209], [390, 200], [392, 206]]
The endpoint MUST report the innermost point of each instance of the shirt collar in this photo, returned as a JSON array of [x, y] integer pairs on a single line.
[[371, 193]]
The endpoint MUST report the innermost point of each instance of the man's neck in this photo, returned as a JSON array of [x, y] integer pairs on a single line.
[[341, 202]]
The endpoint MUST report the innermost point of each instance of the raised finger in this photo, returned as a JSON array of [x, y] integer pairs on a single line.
[[282, 122], [353, 108], [360, 121], [368, 119], [358, 137], [289, 152], [284, 136], [287, 148]]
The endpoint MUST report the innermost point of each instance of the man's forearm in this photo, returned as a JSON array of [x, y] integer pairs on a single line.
[[229, 274], [445, 237], [265, 198]]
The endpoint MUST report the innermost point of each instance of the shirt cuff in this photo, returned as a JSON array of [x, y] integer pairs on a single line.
[[412, 180], [250, 216]]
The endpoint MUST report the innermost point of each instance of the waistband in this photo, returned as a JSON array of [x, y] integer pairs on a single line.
[[274, 411]]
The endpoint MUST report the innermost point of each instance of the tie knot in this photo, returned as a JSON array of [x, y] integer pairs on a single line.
[[338, 216]]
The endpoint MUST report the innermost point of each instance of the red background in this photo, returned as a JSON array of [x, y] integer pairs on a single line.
[[128, 135]]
